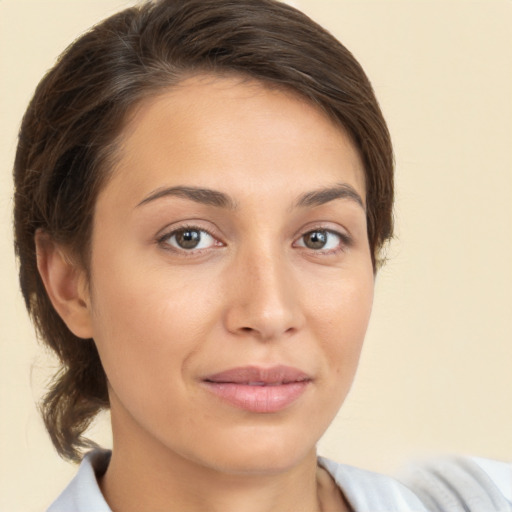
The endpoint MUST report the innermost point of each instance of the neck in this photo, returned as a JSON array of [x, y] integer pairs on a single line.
[[144, 474], [133, 483]]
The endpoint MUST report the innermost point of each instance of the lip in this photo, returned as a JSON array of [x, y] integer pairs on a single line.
[[259, 390]]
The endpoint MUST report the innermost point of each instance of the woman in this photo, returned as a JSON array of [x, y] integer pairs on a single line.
[[200, 205]]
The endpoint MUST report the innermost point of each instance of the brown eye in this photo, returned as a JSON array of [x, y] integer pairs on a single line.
[[324, 241], [315, 239], [189, 239]]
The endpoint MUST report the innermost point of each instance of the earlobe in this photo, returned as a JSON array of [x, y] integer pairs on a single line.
[[66, 285]]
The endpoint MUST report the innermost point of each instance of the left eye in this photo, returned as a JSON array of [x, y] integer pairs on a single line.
[[320, 239], [189, 239]]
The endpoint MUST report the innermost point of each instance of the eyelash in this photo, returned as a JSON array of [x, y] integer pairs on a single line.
[[344, 241], [164, 240]]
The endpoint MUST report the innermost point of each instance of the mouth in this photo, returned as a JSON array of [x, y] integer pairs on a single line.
[[259, 390]]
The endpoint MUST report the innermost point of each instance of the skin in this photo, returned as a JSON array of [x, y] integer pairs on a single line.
[[254, 293]]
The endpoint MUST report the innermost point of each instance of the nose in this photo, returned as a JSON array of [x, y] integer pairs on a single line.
[[264, 302]]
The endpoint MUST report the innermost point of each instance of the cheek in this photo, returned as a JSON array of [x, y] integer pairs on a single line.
[[341, 312], [148, 324]]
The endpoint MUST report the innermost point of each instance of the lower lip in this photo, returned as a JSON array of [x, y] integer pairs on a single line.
[[260, 399]]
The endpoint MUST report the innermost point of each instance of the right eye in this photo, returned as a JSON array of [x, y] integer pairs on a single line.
[[189, 239]]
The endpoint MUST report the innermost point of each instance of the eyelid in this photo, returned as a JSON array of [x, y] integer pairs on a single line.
[[172, 229], [175, 228], [332, 227], [345, 238]]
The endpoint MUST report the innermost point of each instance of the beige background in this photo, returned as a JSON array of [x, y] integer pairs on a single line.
[[435, 375]]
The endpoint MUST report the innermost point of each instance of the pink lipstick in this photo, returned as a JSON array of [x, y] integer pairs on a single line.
[[260, 390]]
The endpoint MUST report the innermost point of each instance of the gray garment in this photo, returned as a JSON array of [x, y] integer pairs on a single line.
[[83, 493], [365, 491], [460, 484]]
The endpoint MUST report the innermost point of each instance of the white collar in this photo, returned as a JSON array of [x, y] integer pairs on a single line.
[[364, 490]]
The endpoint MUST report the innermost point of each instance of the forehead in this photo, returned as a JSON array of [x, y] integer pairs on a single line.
[[216, 125]]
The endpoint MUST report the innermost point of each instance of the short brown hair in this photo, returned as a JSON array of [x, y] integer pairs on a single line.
[[68, 134]]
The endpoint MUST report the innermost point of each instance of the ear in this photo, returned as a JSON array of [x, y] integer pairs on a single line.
[[66, 285]]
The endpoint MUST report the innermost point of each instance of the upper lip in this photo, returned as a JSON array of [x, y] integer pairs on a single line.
[[280, 374]]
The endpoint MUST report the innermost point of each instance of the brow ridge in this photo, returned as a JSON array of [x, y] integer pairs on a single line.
[[325, 195], [220, 199], [198, 194]]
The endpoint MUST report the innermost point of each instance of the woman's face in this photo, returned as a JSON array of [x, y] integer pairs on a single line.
[[231, 276]]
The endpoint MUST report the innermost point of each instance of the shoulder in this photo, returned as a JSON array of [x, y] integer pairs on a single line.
[[368, 491], [469, 484], [365, 490], [83, 493]]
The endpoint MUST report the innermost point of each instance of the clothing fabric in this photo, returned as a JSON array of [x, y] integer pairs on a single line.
[[365, 491], [450, 484], [83, 493], [462, 484]]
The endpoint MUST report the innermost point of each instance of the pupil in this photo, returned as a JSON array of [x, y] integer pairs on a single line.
[[188, 239], [316, 239]]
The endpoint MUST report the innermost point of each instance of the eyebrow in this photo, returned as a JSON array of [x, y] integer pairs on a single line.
[[199, 195], [221, 200], [325, 195]]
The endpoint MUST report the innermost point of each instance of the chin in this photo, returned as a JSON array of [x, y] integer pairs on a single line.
[[259, 451]]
